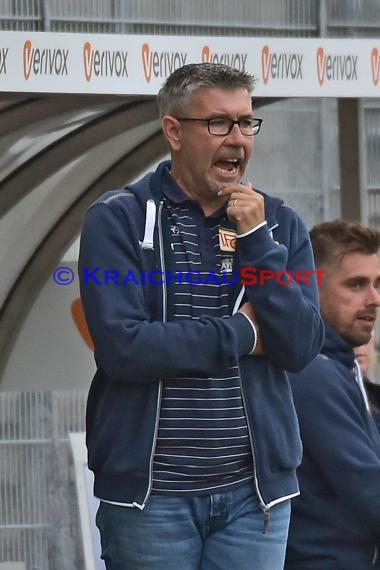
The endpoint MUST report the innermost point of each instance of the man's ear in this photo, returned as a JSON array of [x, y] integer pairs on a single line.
[[172, 131]]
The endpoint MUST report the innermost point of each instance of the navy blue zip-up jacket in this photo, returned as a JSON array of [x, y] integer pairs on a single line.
[[335, 522], [138, 345]]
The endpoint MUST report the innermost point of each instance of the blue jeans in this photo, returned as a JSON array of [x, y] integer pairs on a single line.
[[221, 531]]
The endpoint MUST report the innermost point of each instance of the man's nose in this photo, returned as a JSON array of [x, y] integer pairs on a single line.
[[235, 136], [374, 296]]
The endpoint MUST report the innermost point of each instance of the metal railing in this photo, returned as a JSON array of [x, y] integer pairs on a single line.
[[334, 18], [262, 17], [39, 519]]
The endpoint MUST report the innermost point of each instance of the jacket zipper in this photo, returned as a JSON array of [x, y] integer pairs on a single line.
[[263, 505], [164, 319]]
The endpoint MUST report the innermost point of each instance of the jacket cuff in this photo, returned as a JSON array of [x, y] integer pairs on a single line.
[[251, 231], [245, 331], [255, 242]]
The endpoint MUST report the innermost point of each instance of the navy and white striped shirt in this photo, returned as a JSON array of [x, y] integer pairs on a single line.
[[203, 442]]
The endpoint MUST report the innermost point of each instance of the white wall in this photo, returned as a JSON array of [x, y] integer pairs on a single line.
[[49, 353]]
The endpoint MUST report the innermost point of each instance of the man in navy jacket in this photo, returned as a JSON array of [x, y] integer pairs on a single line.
[[335, 522], [366, 357], [193, 295]]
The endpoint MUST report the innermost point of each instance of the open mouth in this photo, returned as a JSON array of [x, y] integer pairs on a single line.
[[228, 165]]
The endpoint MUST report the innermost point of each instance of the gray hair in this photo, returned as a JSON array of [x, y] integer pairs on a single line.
[[181, 84]]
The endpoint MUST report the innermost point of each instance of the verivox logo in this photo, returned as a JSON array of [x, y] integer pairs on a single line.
[[336, 67], [104, 63], [375, 65], [236, 60], [161, 64], [3, 60], [47, 61], [281, 65]]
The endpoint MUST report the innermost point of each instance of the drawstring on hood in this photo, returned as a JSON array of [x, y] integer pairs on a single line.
[[359, 380], [150, 220]]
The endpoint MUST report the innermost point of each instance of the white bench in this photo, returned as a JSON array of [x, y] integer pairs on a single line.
[[88, 505]]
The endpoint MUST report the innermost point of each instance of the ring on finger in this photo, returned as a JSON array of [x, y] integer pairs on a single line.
[[235, 202]]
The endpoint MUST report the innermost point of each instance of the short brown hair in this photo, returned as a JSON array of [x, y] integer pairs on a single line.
[[331, 241]]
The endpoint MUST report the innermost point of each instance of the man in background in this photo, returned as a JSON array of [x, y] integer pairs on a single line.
[[335, 523]]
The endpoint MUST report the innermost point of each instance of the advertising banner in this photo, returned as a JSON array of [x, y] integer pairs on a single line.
[[42, 62]]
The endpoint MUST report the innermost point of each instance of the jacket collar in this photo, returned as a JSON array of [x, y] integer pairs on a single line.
[[159, 182], [151, 190], [337, 348]]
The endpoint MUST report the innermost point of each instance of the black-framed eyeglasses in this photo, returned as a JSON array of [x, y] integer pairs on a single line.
[[222, 126]]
